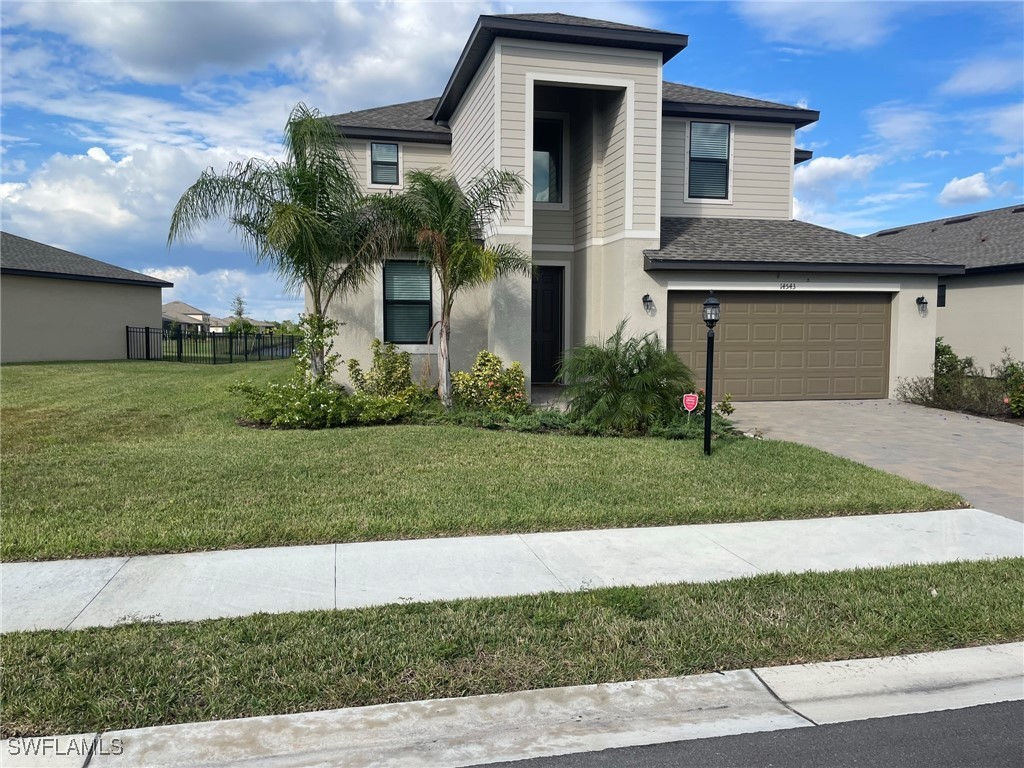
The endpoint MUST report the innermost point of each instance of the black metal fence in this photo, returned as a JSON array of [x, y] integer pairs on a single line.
[[188, 346]]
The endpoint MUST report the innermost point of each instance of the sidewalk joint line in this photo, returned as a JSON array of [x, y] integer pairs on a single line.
[[779, 698], [722, 546], [539, 560], [98, 592]]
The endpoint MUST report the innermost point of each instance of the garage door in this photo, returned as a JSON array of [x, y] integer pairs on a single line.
[[787, 346]]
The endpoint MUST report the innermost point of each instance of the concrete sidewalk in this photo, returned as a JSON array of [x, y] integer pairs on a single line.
[[559, 721], [73, 594]]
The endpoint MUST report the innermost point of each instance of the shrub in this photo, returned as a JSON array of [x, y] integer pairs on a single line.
[[491, 386], [1010, 373], [625, 384], [390, 371], [295, 404]]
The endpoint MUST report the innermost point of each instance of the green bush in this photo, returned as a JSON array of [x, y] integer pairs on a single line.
[[626, 385], [295, 404], [1011, 373], [490, 386], [390, 372]]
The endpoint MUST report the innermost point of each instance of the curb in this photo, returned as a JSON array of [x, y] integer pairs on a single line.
[[543, 723]]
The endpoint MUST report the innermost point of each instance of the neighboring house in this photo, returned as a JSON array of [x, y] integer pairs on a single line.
[[219, 324], [59, 305], [222, 324], [980, 312], [642, 196], [189, 318]]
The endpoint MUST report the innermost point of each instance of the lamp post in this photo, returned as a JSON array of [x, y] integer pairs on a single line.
[[712, 311]]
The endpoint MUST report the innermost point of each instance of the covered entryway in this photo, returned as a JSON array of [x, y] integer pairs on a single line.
[[546, 340], [788, 346]]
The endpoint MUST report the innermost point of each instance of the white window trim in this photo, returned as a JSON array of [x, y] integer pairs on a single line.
[[543, 261], [686, 165], [566, 203], [378, 308], [369, 165]]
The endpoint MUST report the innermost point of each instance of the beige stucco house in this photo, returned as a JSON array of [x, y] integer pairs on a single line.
[[981, 311], [643, 195], [59, 305], [189, 318]]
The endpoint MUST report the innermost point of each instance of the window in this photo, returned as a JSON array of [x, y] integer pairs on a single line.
[[709, 161], [383, 163], [407, 314], [940, 301], [547, 160]]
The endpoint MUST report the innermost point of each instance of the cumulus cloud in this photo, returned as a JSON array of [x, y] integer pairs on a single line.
[[824, 175], [970, 189], [1009, 162], [835, 25], [985, 76], [213, 291]]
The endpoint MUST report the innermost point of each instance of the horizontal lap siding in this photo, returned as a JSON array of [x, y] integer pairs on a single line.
[[762, 172], [415, 157], [472, 125]]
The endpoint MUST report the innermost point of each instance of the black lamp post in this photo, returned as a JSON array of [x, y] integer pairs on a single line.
[[712, 311]]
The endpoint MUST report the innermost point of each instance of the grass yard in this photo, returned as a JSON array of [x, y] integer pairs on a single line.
[[153, 674], [133, 457]]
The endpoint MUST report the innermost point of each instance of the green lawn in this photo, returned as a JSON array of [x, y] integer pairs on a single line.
[[137, 457], [151, 674]]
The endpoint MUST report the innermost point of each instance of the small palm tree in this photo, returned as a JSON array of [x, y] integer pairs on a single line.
[[628, 384], [304, 215], [446, 223]]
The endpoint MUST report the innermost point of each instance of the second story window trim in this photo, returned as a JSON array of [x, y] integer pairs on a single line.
[[704, 152], [384, 164], [564, 162]]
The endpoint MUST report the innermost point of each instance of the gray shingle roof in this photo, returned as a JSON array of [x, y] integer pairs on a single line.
[[772, 242], [688, 94], [575, 21], [984, 240], [19, 255], [183, 309], [408, 116]]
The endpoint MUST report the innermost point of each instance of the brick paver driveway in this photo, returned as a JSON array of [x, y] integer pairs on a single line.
[[981, 459]]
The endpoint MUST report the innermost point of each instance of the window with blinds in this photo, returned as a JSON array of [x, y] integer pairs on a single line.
[[383, 163], [709, 161], [407, 313]]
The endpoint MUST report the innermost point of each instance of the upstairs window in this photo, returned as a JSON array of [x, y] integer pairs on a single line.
[[709, 161], [383, 163], [407, 312], [547, 160], [941, 298]]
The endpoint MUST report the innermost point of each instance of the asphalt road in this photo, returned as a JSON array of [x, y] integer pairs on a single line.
[[990, 736]]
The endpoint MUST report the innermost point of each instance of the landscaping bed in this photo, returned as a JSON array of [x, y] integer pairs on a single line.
[[145, 457], [155, 674]]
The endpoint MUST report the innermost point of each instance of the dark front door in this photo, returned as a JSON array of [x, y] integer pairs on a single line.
[[546, 342]]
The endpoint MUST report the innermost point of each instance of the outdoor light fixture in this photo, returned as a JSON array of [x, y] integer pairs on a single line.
[[648, 302], [922, 305], [712, 312]]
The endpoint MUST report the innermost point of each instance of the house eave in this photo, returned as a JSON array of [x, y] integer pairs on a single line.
[[797, 117], [655, 264], [488, 28], [395, 134], [992, 269], [85, 278]]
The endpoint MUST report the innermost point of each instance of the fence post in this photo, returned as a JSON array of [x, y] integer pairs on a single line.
[[180, 344], [259, 347], [231, 347], [245, 345], [147, 342], [128, 341], [213, 347]]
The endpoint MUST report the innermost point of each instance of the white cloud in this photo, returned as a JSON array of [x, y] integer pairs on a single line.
[[858, 222], [939, 153], [213, 291], [824, 175], [971, 189], [1010, 161], [1006, 123], [901, 128], [840, 25], [985, 76]]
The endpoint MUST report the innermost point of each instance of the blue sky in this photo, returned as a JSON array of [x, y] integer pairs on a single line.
[[110, 110]]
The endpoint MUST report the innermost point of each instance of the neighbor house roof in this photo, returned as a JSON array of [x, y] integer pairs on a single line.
[[548, 27], [182, 308], [779, 245], [21, 256], [985, 241]]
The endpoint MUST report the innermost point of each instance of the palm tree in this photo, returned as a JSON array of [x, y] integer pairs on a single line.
[[446, 223], [304, 215]]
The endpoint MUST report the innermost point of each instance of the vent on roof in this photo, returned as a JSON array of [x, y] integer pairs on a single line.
[[888, 232], [961, 220], [1018, 210]]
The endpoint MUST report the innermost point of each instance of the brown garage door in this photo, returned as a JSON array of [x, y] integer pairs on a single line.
[[787, 346]]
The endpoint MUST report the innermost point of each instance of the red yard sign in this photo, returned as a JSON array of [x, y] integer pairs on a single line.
[[689, 402]]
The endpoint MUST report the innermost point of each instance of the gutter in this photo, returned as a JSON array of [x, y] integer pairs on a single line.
[[656, 264], [153, 283]]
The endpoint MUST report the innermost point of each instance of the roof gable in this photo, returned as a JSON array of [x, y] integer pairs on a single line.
[[21, 256]]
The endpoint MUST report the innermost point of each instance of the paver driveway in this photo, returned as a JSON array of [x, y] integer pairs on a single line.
[[981, 459]]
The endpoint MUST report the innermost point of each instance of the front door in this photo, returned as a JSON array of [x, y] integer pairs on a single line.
[[547, 323]]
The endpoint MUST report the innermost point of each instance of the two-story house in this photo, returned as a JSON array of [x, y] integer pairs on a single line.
[[642, 196]]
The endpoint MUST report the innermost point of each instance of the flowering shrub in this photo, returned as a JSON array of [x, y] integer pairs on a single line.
[[295, 404], [390, 372], [1011, 373], [313, 359], [491, 386]]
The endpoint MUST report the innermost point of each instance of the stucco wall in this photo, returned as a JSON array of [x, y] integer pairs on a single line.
[[984, 314], [50, 319]]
